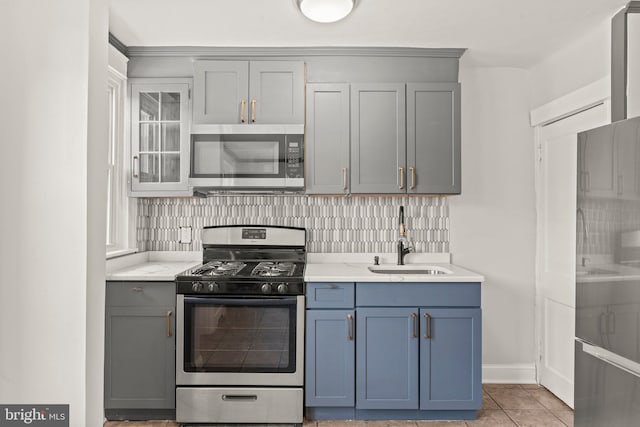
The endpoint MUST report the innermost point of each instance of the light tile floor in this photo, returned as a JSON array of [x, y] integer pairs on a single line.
[[503, 405]]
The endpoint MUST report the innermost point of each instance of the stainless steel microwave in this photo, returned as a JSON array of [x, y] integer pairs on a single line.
[[248, 160]]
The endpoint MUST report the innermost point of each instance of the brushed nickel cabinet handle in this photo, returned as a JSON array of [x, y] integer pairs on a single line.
[[427, 331], [137, 289], [344, 179], [168, 317], [413, 177], [401, 169], [349, 327], [243, 104], [253, 111], [414, 321], [133, 166]]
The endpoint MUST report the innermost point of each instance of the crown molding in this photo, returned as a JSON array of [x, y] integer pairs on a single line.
[[214, 51], [121, 47]]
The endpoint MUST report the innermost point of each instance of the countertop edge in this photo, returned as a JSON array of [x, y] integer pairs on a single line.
[[358, 272]]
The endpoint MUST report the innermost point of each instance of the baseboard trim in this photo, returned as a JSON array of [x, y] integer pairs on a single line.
[[516, 373]]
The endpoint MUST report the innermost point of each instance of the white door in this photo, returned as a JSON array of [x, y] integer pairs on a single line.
[[556, 247]]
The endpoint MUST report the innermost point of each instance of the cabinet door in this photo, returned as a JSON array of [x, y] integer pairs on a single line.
[[159, 136], [450, 358], [327, 138], [433, 138], [330, 358], [140, 358], [277, 87], [387, 358], [627, 142], [219, 88], [378, 143], [597, 163]]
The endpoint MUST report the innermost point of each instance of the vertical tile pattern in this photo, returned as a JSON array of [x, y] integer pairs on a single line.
[[334, 224], [605, 219]]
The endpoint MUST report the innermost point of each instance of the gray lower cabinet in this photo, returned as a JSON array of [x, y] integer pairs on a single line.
[[433, 138], [237, 92], [327, 138], [140, 351], [378, 138]]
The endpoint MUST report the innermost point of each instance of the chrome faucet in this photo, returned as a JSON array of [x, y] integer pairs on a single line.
[[404, 245]]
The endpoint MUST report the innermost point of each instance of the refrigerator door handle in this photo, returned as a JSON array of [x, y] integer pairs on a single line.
[[613, 359]]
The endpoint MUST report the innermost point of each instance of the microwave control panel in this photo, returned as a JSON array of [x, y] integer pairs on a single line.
[[295, 153]]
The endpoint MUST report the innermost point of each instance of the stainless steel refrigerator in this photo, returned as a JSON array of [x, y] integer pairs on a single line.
[[607, 357]]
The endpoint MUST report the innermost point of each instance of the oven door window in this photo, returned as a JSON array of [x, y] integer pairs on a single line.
[[238, 156], [240, 335]]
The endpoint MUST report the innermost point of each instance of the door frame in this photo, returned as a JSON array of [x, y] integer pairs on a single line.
[[575, 102]]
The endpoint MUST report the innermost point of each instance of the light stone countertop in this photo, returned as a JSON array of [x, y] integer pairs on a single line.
[[354, 268], [151, 266], [321, 267]]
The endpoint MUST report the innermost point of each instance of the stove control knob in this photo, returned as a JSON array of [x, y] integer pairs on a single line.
[[283, 288], [266, 288], [197, 287], [213, 287]]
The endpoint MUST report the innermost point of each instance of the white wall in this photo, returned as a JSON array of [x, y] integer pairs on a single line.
[[493, 220], [96, 209], [584, 61], [46, 257]]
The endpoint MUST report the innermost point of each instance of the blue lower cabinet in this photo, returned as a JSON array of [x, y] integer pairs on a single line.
[[330, 358], [450, 358], [412, 357], [387, 358]]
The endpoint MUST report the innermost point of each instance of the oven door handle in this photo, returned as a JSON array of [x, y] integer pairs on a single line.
[[251, 302]]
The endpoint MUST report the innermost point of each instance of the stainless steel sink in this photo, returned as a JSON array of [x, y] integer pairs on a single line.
[[409, 269]]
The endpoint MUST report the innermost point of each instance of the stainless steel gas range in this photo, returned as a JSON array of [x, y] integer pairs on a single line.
[[240, 328]]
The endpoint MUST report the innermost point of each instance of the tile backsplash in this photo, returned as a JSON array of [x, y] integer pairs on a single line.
[[334, 224], [605, 219]]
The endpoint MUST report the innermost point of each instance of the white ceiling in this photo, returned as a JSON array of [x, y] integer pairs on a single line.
[[514, 33]]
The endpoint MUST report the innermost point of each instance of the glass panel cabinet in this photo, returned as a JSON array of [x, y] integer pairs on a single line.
[[160, 117]]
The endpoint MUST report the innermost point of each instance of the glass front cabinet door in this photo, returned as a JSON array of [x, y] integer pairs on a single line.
[[160, 117]]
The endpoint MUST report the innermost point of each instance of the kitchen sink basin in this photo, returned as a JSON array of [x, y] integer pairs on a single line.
[[409, 269]]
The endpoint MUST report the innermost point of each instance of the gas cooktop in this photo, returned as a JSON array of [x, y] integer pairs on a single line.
[[247, 260]]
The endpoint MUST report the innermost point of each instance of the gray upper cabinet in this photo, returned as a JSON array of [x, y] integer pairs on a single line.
[[378, 138], [160, 117], [245, 92], [219, 89], [433, 138], [327, 138], [597, 160]]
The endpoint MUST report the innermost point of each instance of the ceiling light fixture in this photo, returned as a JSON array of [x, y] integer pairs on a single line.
[[325, 11]]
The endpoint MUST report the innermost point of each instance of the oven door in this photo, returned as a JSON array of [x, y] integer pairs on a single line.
[[240, 341]]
